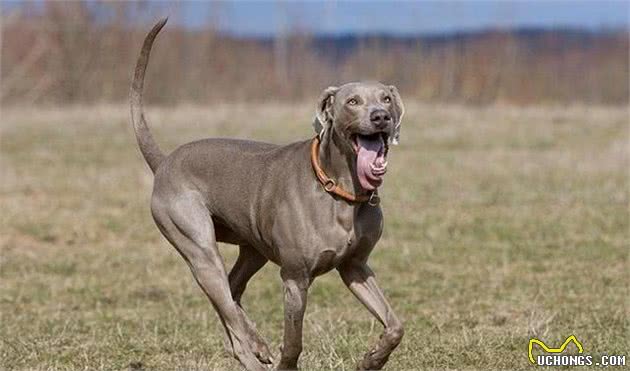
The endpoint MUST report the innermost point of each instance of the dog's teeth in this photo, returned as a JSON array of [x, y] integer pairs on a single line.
[[379, 166], [377, 170]]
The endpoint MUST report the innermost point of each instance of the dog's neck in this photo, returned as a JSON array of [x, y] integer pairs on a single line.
[[337, 164]]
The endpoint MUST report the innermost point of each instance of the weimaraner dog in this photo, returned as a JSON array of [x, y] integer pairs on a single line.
[[309, 207]]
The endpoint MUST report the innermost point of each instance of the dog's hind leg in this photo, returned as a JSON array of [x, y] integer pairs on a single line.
[[249, 262], [187, 224]]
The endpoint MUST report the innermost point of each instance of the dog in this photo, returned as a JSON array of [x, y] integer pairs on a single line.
[[309, 207]]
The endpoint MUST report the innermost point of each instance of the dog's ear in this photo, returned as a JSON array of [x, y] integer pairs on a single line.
[[324, 114], [399, 111]]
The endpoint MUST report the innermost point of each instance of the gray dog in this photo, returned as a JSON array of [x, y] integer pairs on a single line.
[[309, 207]]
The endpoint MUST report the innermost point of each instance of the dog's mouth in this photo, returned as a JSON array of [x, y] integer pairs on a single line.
[[371, 153]]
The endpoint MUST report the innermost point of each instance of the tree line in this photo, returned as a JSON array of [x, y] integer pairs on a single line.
[[84, 52]]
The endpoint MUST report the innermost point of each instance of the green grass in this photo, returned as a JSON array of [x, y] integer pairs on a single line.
[[502, 224]]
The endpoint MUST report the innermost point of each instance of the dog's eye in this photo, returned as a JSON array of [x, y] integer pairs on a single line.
[[352, 102], [387, 99]]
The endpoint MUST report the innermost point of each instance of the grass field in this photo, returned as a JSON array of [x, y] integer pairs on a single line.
[[502, 223]]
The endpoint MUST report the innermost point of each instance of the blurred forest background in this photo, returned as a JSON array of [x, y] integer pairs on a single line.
[[84, 52]]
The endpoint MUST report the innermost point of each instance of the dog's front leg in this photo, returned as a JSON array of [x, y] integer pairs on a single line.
[[295, 288], [361, 281]]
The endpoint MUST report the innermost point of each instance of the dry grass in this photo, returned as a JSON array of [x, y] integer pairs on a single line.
[[501, 223]]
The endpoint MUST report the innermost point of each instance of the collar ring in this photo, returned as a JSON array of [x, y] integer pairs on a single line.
[[374, 199]]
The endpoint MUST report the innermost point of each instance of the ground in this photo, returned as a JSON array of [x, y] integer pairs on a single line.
[[501, 224]]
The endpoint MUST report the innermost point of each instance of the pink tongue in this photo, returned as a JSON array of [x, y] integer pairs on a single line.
[[370, 153]]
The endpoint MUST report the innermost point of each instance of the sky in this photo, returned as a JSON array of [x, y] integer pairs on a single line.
[[411, 17], [265, 17]]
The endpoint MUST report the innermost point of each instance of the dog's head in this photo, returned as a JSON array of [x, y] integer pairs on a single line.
[[367, 117]]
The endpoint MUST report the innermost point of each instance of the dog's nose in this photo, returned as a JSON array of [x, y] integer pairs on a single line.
[[380, 118]]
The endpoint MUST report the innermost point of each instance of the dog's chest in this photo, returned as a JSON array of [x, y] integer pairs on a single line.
[[352, 235]]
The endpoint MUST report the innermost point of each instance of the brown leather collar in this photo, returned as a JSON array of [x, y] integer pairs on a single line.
[[331, 186]]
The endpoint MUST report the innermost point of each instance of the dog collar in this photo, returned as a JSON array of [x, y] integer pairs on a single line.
[[331, 186]]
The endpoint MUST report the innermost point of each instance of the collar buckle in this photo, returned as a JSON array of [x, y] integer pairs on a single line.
[[330, 185]]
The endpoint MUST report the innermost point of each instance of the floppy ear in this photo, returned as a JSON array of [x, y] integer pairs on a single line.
[[324, 115], [399, 110]]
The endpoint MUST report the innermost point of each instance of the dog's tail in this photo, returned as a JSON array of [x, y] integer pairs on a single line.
[[150, 150]]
